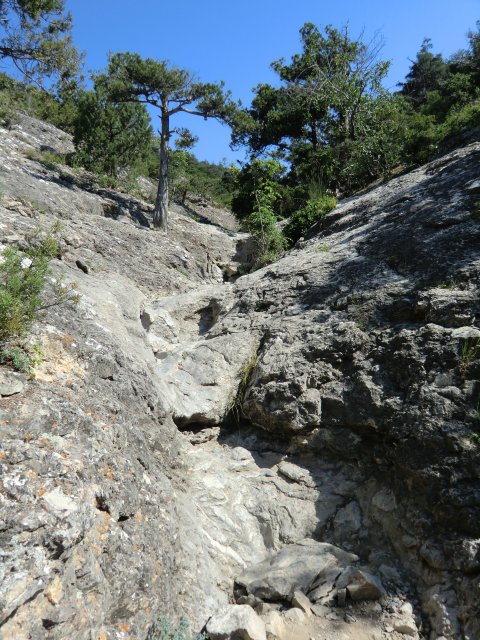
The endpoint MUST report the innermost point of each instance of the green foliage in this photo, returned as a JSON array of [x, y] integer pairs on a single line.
[[475, 413], [21, 358], [322, 248], [444, 98], [427, 73], [187, 175], [112, 137], [475, 210], [163, 629], [378, 146], [16, 97], [469, 353], [235, 408], [242, 184], [262, 222], [9, 106], [49, 159], [335, 127], [475, 438], [23, 280], [461, 119], [35, 35], [301, 221], [329, 117], [131, 78]]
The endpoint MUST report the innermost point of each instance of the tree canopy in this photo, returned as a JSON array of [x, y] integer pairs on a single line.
[[36, 36], [327, 111], [326, 127], [110, 137], [427, 73], [131, 78]]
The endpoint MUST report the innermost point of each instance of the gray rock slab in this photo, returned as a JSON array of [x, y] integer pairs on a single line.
[[236, 622], [360, 584], [293, 568], [11, 383]]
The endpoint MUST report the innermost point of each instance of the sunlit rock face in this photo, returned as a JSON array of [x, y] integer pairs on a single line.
[[193, 440]]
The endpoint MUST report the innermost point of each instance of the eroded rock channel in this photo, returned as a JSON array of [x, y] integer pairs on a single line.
[[290, 454]]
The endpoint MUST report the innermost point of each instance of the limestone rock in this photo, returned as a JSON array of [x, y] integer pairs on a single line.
[[348, 521], [366, 377], [405, 623], [300, 600], [293, 568], [236, 621], [295, 616], [274, 624], [473, 187], [360, 584], [198, 384], [384, 500], [10, 383]]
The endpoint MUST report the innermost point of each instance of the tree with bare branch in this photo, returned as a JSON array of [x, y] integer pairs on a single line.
[[171, 90], [36, 36], [329, 110]]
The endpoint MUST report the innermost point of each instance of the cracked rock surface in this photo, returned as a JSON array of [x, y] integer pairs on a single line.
[[198, 444]]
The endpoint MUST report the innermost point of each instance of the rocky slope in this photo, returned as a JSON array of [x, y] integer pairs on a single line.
[[192, 440]]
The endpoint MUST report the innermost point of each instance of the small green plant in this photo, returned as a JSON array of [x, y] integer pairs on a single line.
[[474, 437], [262, 222], [470, 352], [183, 271], [322, 248], [16, 357], [49, 159], [8, 110], [235, 408], [32, 204], [163, 629], [360, 313], [24, 277], [301, 221], [106, 182]]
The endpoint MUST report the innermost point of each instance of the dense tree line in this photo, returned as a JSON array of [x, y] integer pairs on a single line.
[[326, 128], [333, 128]]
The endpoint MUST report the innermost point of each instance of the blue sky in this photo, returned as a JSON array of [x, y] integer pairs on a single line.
[[236, 41]]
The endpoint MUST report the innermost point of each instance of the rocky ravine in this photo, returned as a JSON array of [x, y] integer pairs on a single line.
[[352, 471]]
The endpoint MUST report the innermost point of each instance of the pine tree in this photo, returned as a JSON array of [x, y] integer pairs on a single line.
[[131, 78]]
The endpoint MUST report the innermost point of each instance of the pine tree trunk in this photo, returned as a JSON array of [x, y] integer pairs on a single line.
[[160, 213]]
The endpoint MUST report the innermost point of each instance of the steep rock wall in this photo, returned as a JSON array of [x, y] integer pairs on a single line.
[[354, 424]]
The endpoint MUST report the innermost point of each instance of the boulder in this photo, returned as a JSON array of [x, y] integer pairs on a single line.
[[236, 622], [10, 383], [274, 624], [295, 567], [347, 521], [301, 601], [360, 585], [295, 616]]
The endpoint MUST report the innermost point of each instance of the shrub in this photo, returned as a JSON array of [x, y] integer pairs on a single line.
[[469, 353], [49, 159], [301, 221], [163, 629], [269, 239], [262, 222], [235, 408], [23, 280], [8, 110], [461, 119]]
